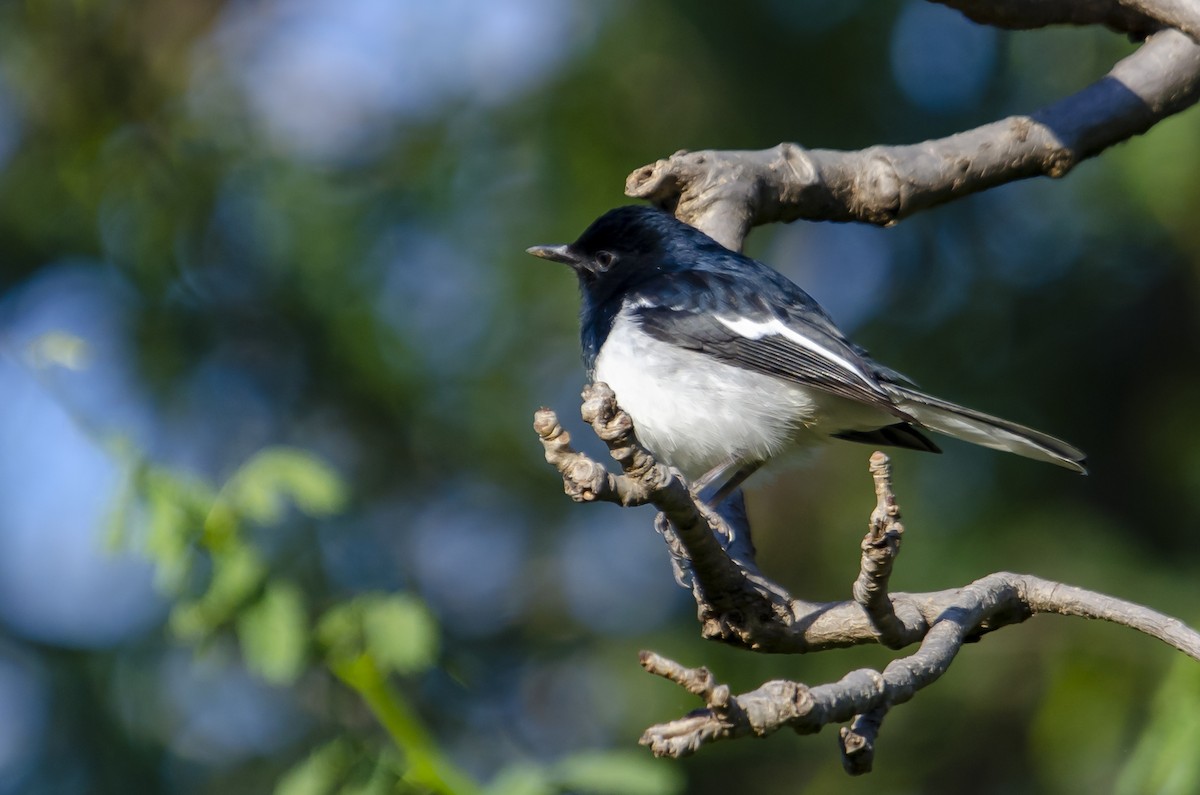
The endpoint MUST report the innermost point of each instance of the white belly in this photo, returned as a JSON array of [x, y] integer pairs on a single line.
[[695, 412]]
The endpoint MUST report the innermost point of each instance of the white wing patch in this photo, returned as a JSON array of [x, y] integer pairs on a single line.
[[757, 329]]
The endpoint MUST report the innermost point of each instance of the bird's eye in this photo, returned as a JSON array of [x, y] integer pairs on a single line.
[[605, 260]]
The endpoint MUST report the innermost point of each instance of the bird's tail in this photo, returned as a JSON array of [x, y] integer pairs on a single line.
[[984, 429]]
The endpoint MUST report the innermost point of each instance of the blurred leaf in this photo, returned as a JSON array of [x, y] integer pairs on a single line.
[[397, 630], [238, 571], [175, 509], [340, 631], [1166, 760], [383, 778], [319, 773], [401, 633], [618, 773], [274, 634], [426, 768], [522, 779], [260, 489], [59, 348]]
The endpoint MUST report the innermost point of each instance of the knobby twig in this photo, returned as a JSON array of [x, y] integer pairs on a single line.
[[880, 547], [725, 193], [742, 606], [737, 605]]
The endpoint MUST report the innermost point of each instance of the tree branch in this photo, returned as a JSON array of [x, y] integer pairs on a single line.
[[725, 193], [1138, 18], [737, 605]]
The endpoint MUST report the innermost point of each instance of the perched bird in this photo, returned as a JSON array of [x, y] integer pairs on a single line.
[[722, 362]]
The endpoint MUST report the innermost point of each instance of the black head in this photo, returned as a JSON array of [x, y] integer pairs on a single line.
[[618, 253], [621, 248]]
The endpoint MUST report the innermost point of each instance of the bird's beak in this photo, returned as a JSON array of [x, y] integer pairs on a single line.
[[561, 254]]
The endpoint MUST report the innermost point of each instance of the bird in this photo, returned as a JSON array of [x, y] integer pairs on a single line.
[[723, 363]]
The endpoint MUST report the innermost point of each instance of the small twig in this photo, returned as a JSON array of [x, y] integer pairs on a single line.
[[857, 741], [697, 681], [880, 547], [725, 716]]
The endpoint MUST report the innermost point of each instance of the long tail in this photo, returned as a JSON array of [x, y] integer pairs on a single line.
[[984, 429]]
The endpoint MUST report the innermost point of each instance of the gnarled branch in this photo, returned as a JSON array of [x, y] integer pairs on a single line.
[[725, 193], [737, 605]]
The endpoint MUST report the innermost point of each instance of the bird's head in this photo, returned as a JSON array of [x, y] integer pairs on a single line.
[[620, 249]]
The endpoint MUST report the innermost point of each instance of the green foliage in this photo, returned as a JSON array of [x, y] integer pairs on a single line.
[[424, 764], [362, 640], [261, 489], [522, 779], [617, 773], [340, 767], [175, 507], [319, 773], [188, 519], [591, 773], [397, 630], [400, 632], [274, 633]]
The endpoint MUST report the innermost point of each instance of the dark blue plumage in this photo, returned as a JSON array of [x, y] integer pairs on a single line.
[[721, 361]]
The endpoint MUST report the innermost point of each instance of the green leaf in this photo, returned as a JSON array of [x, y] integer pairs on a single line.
[[319, 773], [383, 778], [339, 631], [274, 634], [175, 508], [397, 630], [522, 779], [618, 773], [261, 488], [167, 543], [400, 633], [238, 572]]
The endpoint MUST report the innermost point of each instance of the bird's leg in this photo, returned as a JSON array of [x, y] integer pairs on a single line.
[[722, 480]]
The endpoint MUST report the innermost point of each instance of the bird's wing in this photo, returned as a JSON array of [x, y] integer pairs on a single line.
[[774, 328]]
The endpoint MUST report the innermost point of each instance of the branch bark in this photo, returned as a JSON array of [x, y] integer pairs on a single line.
[[737, 605], [725, 193]]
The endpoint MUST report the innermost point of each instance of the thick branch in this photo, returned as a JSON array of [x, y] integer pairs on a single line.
[[1138, 18], [725, 193]]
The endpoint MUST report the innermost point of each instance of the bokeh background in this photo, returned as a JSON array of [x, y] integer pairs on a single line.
[[270, 346]]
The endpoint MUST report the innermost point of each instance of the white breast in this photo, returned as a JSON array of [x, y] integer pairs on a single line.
[[695, 412]]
